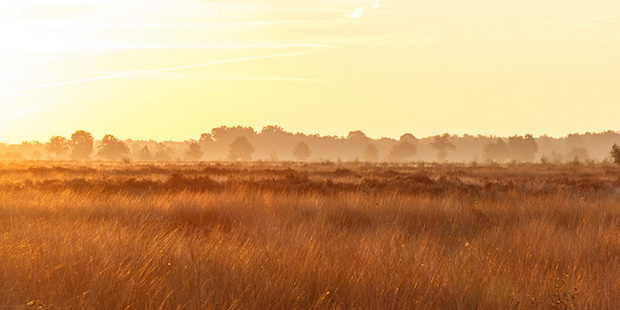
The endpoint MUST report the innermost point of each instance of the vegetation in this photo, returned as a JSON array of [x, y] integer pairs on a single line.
[[442, 144], [308, 236], [615, 153], [112, 148], [193, 152], [58, 146], [81, 145], [301, 151], [274, 143], [240, 149]]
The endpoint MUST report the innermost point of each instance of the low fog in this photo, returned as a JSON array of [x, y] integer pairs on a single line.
[[273, 143]]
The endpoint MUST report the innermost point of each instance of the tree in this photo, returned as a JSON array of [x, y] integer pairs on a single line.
[[81, 145], [522, 148], [371, 153], [145, 154], [301, 151], [615, 153], [442, 144], [112, 148], [579, 153], [57, 145], [356, 135], [402, 151], [193, 151], [163, 152], [495, 151], [240, 149]]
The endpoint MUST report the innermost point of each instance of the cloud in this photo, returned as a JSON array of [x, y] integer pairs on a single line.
[[130, 73], [581, 19], [359, 12], [24, 111]]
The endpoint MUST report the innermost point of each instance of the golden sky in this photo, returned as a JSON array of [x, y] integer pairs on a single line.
[[173, 69]]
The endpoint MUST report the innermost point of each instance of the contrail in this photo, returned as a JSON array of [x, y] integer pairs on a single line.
[[125, 74]]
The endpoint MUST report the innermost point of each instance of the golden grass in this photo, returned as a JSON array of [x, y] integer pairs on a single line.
[[258, 236]]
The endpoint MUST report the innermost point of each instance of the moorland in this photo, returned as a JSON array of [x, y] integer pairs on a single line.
[[284, 235]]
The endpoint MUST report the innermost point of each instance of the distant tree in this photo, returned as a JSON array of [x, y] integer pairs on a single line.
[[402, 151], [271, 130], [193, 151], [615, 153], [57, 145], [301, 151], [163, 152], [442, 144], [495, 151], [36, 155], [14, 153], [371, 153], [145, 154], [357, 134], [408, 138], [112, 148], [240, 149], [205, 138], [81, 145], [522, 148], [578, 153], [224, 133]]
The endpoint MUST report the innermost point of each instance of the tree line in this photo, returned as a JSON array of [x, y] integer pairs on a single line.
[[273, 143]]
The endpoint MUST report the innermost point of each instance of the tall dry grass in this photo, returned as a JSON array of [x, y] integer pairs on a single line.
[[308, 237]]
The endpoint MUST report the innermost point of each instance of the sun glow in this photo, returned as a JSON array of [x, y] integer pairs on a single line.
[[390, 66]]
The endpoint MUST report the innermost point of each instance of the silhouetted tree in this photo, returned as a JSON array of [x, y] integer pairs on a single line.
[[371, 153], [442, 144], [301, 151], [522, 148], [81, 144], [240, 149], [615, 153], [193, 151], [112, 148], [273, 130], [145, 154], [404, 149], [495, 151], [356, 135], [163, 152], [224, 133], [57, 145]]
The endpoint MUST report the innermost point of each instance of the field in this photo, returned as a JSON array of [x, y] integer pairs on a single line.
[[308, 236]]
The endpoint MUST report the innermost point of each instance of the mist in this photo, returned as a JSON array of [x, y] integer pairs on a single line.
[[274, 143]]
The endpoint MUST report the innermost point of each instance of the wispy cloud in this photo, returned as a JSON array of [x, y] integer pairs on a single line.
[[24, 111], [581, 19], [130, 73], [359, 12]]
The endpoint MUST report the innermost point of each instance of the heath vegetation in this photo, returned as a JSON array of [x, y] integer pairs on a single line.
[[309, 236]]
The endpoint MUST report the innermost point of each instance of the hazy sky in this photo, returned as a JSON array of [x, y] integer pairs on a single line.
[[172, 69]]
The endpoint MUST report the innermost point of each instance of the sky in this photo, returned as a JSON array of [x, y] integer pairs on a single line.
[[173, 69]]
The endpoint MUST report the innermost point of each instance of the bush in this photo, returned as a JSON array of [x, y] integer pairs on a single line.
[[615, 153]]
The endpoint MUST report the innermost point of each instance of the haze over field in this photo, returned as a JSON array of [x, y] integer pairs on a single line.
[[163, 69]]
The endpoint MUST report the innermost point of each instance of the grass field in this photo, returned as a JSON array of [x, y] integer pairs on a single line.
[[315, 236]]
